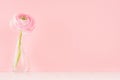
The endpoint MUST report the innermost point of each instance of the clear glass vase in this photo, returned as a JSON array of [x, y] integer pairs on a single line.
[[23, 63]]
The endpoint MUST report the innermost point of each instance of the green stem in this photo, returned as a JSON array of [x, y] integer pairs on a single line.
[[19, 49]]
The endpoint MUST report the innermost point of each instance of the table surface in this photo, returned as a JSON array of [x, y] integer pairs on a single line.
[[61, 76]]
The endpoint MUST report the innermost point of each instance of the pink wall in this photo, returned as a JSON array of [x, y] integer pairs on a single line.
[[70, 35]]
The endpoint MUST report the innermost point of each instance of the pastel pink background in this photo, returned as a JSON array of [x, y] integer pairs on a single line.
[[70, 35]]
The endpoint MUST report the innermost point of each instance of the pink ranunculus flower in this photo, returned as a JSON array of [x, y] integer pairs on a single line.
[[22, 22]]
